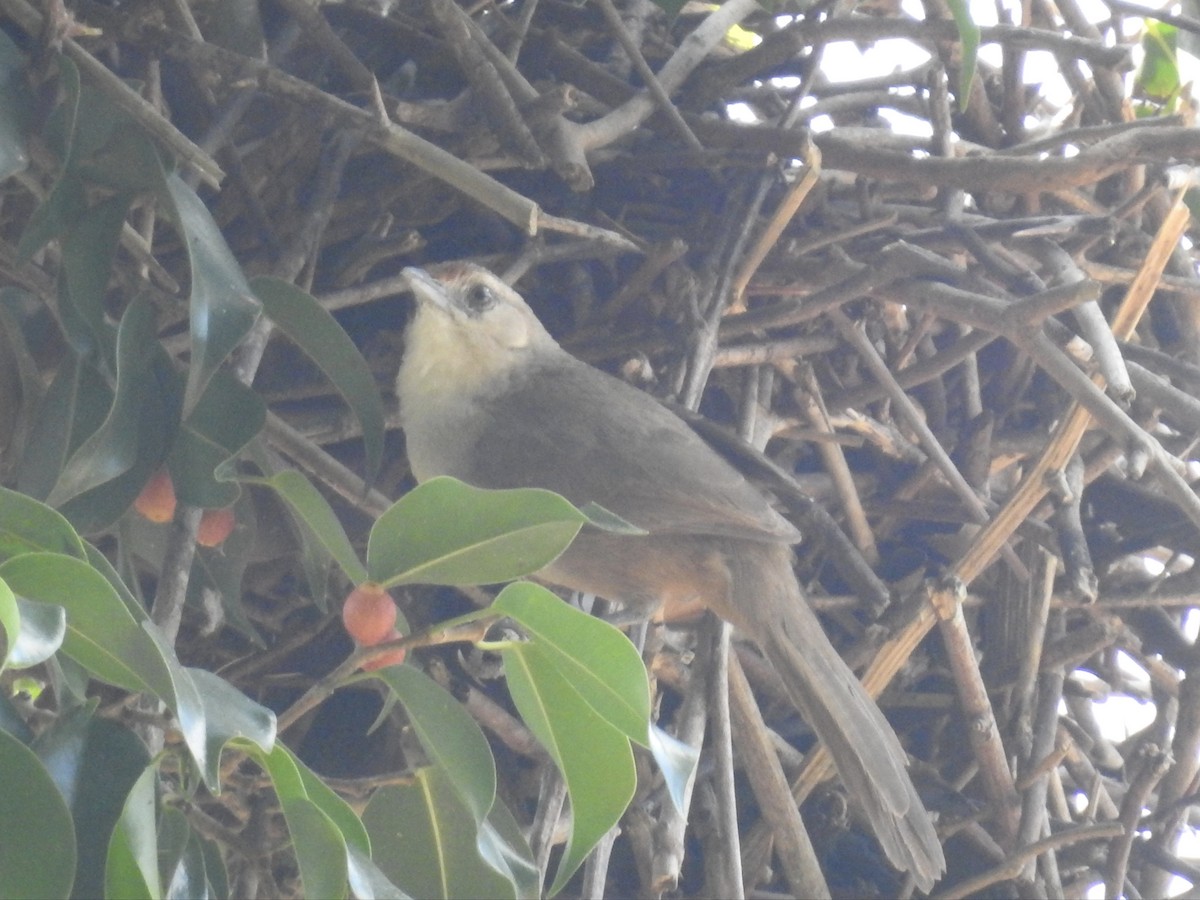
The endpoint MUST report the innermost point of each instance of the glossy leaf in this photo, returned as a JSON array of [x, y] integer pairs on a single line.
[[317, 515], [171, 833], [595, 759], [338, 810], [367, 879], [43, 627], [101, 633], [28, 526], [322, 825], [222, 308], [600, 663], [10, 624], [227, 417], [293, 780], [229, 715], [319, 847], [449, 735], [447, 532], [131, 868], [100, 563], [111, 450], [192, 874], [318, 334], [425, 840], [66, 200], [87, 253], [113, 642], [37, 838], [95, 762], [72, 407], [503, 846]]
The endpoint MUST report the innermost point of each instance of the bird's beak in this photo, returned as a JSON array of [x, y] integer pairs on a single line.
[[427, 289]]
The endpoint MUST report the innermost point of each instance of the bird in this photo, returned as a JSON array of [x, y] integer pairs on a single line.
[[487, 395]]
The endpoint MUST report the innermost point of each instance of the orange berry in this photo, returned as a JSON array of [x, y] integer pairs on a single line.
[[215, 526], [391, 658], [369, 614], [156, 502]]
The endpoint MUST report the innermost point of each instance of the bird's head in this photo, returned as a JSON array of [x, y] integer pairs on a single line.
[[471, 335]]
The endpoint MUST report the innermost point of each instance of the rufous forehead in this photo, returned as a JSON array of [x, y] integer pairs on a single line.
[[455, 271]]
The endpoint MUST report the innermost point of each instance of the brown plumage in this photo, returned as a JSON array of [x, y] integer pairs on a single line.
[[488, 396]]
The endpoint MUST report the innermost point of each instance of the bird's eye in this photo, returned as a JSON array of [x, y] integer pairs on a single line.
[[480, 298]]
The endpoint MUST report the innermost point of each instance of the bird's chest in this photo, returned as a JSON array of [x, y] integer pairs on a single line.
[[440, 440]]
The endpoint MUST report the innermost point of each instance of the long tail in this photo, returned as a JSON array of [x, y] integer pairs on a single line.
[[869, 758]]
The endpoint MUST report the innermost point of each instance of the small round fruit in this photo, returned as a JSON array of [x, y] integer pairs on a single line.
[[369, 614], [215, 526], [391, 658], [156, 502]]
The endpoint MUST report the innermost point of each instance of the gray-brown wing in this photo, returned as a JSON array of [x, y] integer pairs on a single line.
[[590, 437]]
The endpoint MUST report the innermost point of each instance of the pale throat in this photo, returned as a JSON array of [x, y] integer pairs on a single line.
[[445, 362]]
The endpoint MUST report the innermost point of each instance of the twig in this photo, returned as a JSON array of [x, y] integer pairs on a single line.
[[116, 90]]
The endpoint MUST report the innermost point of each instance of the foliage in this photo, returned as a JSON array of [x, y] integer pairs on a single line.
[[95, 815], [968, 336]]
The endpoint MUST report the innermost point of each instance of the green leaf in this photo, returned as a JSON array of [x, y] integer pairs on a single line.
[[227, 417], [131, 869], [595, 759], [95, 762], [229, 715], [10, 624], [503, 846], [425, 840], [43, 627], [100, 563], [87, 260], [447, 532], [354, 833], [114, 150], [147, 404], [216, 877], [294, 780], [315, 558], [112, 641], [322, 825], [194, 874], [102, 634], [449, 735], [1158, 75], [112, 449], [318, 516], [223, 310], [319, 847], [66, 200], [37, 839], [367, 879], [968, 36], [72, 407], [27, 525], [600, 663], [172, 833], [318, 334]]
